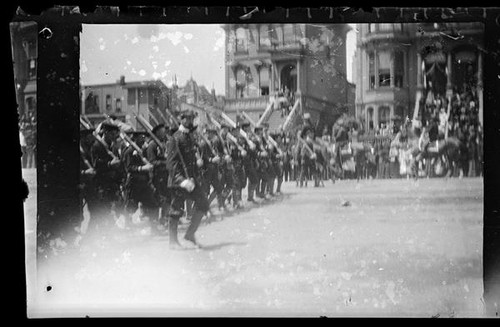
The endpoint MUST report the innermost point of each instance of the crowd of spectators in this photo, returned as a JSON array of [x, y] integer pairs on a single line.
[[27, 138]]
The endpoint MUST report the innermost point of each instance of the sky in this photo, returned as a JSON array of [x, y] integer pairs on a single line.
[[147, 52]]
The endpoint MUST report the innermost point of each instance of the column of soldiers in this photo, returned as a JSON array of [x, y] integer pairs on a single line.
[[171, 171]]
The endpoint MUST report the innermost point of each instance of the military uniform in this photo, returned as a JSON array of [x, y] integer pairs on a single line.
[[239, 177], [87, 194], [162, 193], [184, 176], [108, 180], [251, 165], [138, 184]]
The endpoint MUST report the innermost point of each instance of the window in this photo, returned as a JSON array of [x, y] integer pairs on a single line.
[[31, 103], [371, 28], [264, 80], [398, 68], [288, 34], [384, 69], [91, 103], [131, 97], [143, 96], [241, 39], [369, 113], [383, 114], [32, 68], [108, 102], [264, 39], [371, 70], [385, 27], [241, 82], [118, 105]]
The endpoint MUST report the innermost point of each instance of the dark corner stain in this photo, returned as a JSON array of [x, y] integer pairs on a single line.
[[24, 190]]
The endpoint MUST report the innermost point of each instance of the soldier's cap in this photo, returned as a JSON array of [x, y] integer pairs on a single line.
[[244, 124], [158, 127], [211, 130], [265, 125], [226, 125], [109, 126], [256, 129], [187, 113]]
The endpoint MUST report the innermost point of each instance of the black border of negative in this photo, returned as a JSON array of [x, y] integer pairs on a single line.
[[57, 162]]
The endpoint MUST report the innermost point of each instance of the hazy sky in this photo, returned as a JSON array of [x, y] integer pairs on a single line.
[[146, 52]]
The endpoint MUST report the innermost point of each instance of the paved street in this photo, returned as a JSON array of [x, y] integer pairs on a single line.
[[373, 248]]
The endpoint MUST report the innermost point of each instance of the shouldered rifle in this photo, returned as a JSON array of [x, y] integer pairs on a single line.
[[273, 142], [149, 130], [229, 136], [127, 139], [308, 148], [99, 139], [242, 132]]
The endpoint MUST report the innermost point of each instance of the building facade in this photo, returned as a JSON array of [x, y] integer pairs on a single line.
[[125, 100], [24, 42], [306, 61], [395, 64]]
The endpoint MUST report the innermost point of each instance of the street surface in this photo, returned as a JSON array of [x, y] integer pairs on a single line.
[[389, 248]]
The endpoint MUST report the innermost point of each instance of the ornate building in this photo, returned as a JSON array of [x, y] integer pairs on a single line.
[[396, 64], [307, 61], [24, 54]]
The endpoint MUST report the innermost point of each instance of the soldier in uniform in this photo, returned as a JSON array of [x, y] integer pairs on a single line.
[[308, 159], [185, 175], [156, 155], [278, 161], [108, 178], [227, 168], [138, 184], [212, 171], [87, 193], [237, 153], [262, 157], [250, 163]]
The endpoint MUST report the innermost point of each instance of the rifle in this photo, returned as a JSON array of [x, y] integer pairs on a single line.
[[270, 139], [98, 138], [229, 136], [127, 139], [242, 133], [306, 145]]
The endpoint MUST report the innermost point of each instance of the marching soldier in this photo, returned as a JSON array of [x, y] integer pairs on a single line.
[[227, 168], [278, 161], [210, 153], [87, 173], [237, 153], [184, 175], [138, 184], [108, 178], [250, 163], [270, 174], [156, 155], [262, 157]]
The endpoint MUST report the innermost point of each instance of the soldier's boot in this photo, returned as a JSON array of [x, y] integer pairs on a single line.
[[173, 241], [193, 227]]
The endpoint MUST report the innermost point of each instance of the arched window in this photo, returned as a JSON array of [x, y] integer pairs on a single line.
[[241, 82], [241, 39], [264, 80], [288, 34], [369, 118], [384, 114], [264, 39]]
